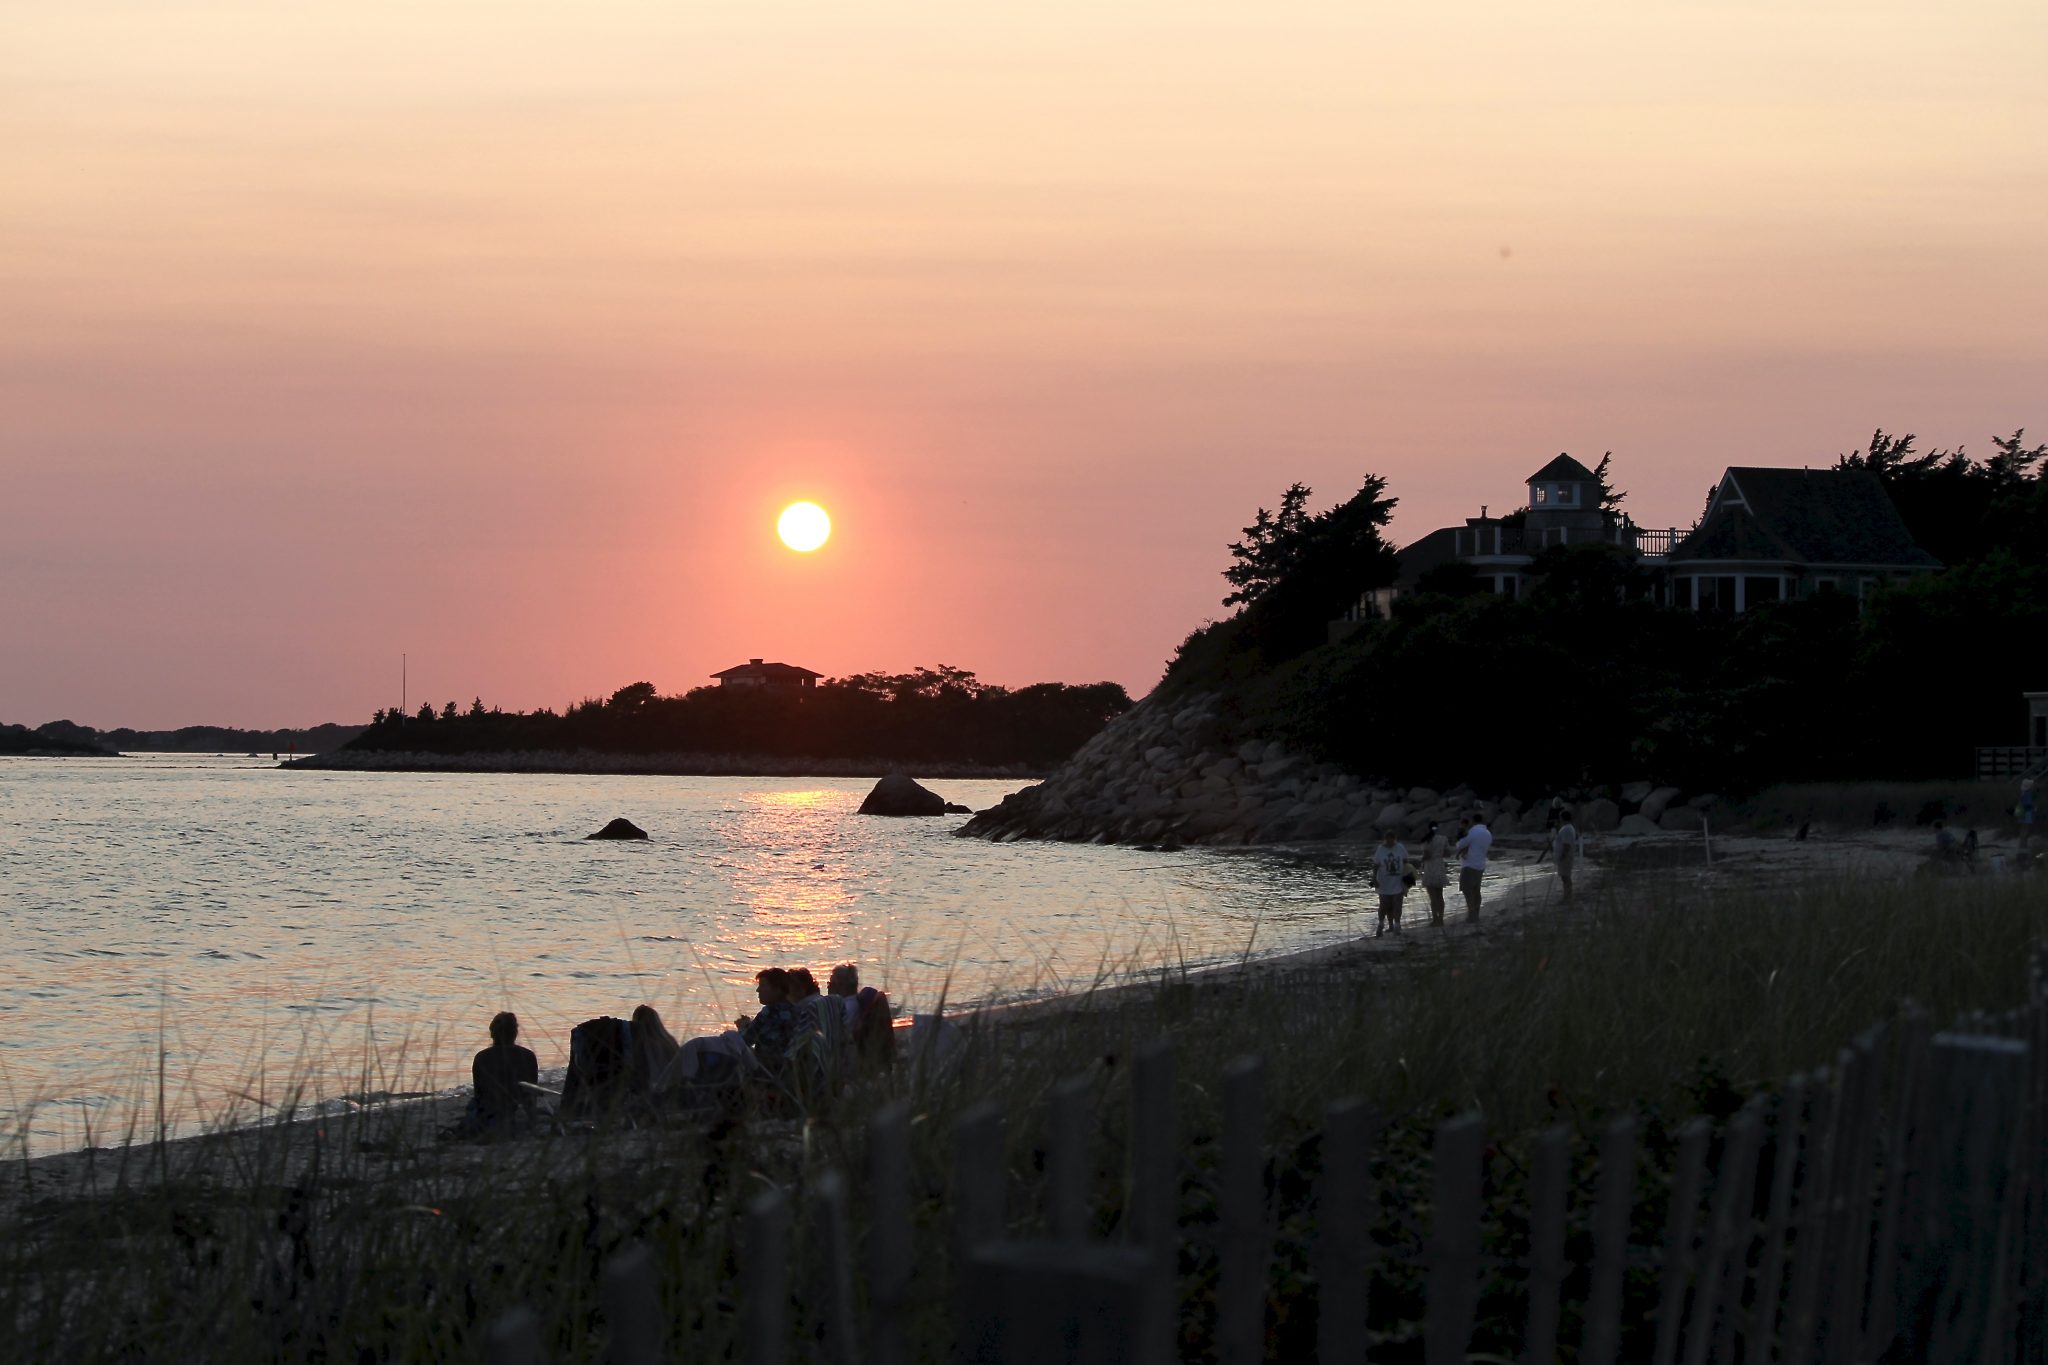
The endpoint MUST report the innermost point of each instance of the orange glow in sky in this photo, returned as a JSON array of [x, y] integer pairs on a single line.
[[495, 335]]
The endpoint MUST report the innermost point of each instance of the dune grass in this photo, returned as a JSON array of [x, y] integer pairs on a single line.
[[356, 1237]]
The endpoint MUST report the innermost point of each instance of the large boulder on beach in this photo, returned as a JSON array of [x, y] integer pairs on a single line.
[[1681, 820], [1636, 826], [898, 794], [621, 828], [1599, 815], [1655, 804]]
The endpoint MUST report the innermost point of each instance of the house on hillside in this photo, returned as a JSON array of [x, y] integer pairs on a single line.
[[754, 673], [1773, 535], [1768, 535]]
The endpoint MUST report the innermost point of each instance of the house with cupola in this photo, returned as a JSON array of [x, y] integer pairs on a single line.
[[1768, 535]]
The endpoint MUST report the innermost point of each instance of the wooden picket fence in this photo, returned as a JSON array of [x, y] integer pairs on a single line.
[[1901, 1215]]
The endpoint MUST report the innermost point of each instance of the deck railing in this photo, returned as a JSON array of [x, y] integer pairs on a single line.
[[2011, 760]]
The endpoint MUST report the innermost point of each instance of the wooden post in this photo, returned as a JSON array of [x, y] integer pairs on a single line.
[[1155, 1156], [1678, 1252], [764, 1315], [514, 1339], [1727, 1246], [1062, 1303], [632, 1307], [1547, 1191], [832, 1264], [1610, 1242], [1068, 1170], [1246, 1241], [1345, 1214], [888, 1259], [1453, 1249]]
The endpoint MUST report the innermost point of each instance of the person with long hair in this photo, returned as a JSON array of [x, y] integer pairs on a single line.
[[650, 1066]]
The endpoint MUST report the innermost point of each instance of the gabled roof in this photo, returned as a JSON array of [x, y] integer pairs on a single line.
[[1809, 516], [1413, 561], [1563, 469], [766, 672]]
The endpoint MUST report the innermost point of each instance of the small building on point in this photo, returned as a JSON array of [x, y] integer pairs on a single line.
[[755, 673]]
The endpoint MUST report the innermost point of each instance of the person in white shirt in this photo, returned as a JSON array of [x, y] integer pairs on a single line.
[[1564, 848], [1390, 877], [1472, 846]]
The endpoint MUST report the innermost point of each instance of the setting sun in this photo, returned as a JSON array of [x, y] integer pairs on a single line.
[[803, 526]]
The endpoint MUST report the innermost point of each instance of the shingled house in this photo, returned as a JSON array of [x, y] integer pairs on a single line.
[[1768, 535], [754, 673], [1772, 535]]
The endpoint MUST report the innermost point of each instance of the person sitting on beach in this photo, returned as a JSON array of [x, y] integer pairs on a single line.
[[650, 1066], [874, 1027], [1390, 876], [1944, 841], [500, 1073], [771, 1032], [844, 986]]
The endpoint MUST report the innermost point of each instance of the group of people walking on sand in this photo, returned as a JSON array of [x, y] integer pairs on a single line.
[[637, 1061], [1392, 877]]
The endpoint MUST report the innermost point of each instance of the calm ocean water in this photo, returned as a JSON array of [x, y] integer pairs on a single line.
[[357, 931]]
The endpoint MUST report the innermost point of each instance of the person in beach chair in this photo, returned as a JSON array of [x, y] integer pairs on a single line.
[[501, 1074], [600, 1052], [650, 1061]]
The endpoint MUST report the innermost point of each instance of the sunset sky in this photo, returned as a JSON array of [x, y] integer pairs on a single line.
[[497, 335]]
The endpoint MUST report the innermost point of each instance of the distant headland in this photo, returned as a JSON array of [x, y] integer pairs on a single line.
[[763, 719]]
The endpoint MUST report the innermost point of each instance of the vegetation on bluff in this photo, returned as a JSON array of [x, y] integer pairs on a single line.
[[944, 715], [1584, 680]]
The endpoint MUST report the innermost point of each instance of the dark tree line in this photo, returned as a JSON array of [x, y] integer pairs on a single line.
[[1586, 680], [943, 715]]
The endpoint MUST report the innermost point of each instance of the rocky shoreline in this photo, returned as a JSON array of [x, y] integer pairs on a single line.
[[1167, 773], [658, 765]]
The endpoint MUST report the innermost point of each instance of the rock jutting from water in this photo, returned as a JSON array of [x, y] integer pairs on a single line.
[[621, 828], [899, 794]]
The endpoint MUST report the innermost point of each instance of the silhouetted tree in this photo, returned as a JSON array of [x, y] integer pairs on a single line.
[[1271, 548], [632, 696], [1610, 498]]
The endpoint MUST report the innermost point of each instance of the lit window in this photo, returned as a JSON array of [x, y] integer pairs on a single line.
[[1542, 494], [1564, 493]]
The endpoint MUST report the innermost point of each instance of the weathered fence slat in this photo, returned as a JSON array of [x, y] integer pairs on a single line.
[[1155, 1155], [980, 1179], [1854, 1175], [2031, 1310], [1610, 1242], [1246, 1242], [1453, 1252], [514, 1339], [1678, 1253], [1344, 1222], [1727, 1243], [764, 1250], [1770, 1280], [888, 1258], [1978, 1116], [1908, 1101], [1548, 1178], [832, 1265], [1810, 1221], [632, 1307], [1068, 1165]]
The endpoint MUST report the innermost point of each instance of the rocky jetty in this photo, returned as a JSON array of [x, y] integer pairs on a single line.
[[1168, 773]]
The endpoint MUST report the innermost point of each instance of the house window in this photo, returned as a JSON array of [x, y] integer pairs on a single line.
[[1539, 494], [1717, 592], [1760, 590], [1567, 493]]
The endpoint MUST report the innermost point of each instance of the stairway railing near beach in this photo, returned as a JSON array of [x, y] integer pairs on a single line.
[[1892, 1206]]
